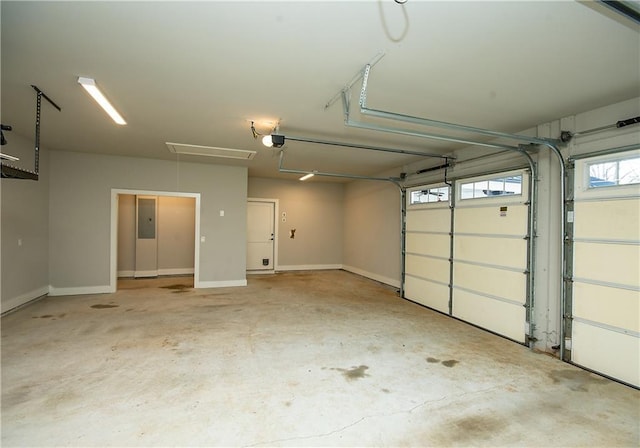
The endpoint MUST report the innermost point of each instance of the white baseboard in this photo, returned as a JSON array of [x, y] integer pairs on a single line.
[[80, 290], [309, 267], [20, 300], [379, 278], [176, 271], [142, 274], [222, 284], [172, 271]]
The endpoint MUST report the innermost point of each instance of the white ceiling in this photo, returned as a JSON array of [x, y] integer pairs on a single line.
[[198, 73]]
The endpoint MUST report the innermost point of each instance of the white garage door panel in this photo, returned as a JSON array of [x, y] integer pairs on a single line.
[[497, 251], [488, 220], [599, 220], [501, 317], [429, 220], [612, 263], [427, 293], [611, 306], [429, 244], [490, 281], [426, 267], [609, 352]]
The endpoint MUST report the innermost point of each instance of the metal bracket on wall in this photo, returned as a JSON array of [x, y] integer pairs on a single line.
[[12, 172]]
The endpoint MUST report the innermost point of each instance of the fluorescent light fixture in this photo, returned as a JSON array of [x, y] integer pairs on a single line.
[[90, 86], [8, 157], [307, 176]]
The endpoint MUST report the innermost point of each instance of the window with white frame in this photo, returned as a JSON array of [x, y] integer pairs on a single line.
[[612, 172], [429, 195], [487, 188]]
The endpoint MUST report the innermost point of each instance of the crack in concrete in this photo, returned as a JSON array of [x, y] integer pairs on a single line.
[[366, 417], [335, 431]]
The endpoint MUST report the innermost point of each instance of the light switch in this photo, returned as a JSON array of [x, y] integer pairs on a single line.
[[221, 212], [203, 239]]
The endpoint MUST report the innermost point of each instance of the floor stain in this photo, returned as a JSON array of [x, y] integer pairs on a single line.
[[474, 428], [354, 373], [577, 380], [386, 391], [180, 291], [44, 316], [450, 363], [101, 306], [432, 360], [177, 286]]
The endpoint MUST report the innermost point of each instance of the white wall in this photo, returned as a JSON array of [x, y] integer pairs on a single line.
[[80, 210], [126, 234], [176, 234], [24, 219], [315, 210], [372, 231]]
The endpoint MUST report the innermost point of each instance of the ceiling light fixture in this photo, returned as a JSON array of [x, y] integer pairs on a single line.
[[307, 176], [90, 86], [272, 140]]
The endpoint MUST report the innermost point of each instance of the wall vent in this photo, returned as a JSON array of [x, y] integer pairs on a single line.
[[210, 151]]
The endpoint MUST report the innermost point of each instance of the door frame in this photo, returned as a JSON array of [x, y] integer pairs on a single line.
[[113, 253], [276, 221]]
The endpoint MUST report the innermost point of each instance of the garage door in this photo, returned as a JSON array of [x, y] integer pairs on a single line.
[[428, 247], [490, 253], [475, 270], [605, 287]]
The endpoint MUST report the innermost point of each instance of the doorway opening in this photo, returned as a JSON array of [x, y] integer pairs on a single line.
[[154, 239]]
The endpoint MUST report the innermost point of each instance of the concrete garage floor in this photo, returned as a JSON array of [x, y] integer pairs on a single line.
[[295, 359]]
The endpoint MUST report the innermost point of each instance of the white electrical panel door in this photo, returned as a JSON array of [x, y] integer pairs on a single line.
[[605, 299], [490, 234], [260, 235], [428, 247]]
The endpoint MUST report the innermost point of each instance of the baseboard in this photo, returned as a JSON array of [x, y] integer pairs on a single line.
[[309, 267], [23, 299], [379, 278], [159, 272], [222, 284], [143, 274], [176, 271], [80, 290]]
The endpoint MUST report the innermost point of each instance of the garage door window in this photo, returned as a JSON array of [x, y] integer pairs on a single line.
[[486, 188], [428, 195], [610, 173]]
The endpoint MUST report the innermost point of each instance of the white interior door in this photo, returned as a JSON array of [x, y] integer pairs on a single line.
[[260, 235], [146, 236], [605, 300]]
